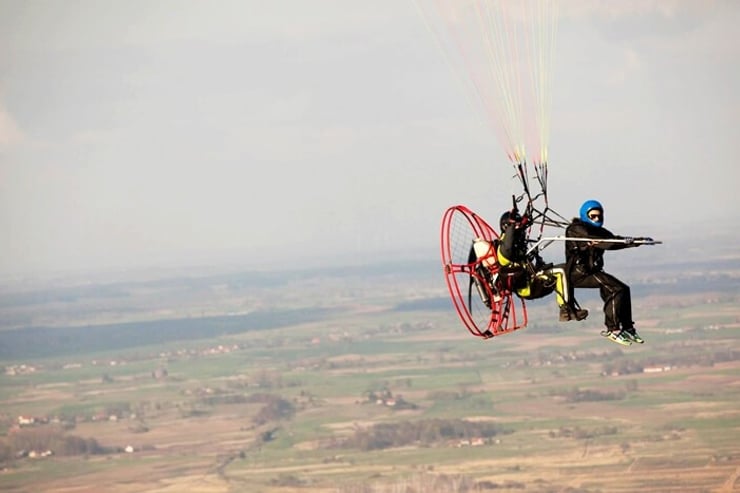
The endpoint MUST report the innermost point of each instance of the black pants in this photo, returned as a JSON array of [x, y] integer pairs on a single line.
[[614, 293]]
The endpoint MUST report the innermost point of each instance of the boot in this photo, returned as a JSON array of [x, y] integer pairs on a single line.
[[581, 314], [567, 314]]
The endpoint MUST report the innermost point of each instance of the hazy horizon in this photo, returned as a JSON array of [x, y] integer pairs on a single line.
[[134, 134]]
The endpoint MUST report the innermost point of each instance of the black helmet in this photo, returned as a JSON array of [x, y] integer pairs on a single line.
[[512, 217]]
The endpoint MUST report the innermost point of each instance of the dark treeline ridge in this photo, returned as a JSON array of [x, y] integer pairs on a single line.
[[234, 281], [40, 342], [426, 432], [53, 439]]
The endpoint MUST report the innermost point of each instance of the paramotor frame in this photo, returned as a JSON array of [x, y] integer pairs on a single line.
[[480, 291]]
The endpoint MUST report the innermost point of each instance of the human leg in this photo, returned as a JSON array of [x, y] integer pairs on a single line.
[[559, 280], [612, 292], [617, 305], [552, 279]]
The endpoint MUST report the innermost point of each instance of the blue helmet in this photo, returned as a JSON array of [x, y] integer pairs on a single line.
[[588, 206]]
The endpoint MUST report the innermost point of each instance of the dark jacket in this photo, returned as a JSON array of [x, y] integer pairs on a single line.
[[512, 247], [584, 255], [521, 271]]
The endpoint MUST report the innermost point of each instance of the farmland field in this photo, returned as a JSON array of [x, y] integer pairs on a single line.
[[368, 394]]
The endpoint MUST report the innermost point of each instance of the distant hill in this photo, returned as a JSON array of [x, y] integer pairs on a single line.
[[37, 342], [334, 288]]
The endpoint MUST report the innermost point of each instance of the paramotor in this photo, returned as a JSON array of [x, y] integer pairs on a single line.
[[502, 52]]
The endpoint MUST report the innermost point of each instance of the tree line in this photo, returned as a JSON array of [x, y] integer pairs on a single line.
[[39, 342], [21, 442], [426, 432]]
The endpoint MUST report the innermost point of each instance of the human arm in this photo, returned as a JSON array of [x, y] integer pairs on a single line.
[[611, 241]]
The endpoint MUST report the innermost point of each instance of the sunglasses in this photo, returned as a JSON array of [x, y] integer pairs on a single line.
[[594, 215]]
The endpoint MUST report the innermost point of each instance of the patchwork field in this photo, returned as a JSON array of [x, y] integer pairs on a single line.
[[373, 398]]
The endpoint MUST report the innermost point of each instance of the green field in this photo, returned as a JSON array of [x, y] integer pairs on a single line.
[[368, 398]]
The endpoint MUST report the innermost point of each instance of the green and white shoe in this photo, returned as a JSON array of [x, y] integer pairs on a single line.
[[633, 336], [618, 336]]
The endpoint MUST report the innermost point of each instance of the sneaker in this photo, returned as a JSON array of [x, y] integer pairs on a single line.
[[633, 336], [566, 314], [617, 336]]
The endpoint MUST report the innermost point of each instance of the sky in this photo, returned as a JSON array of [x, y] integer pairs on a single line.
[[154, 133]]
